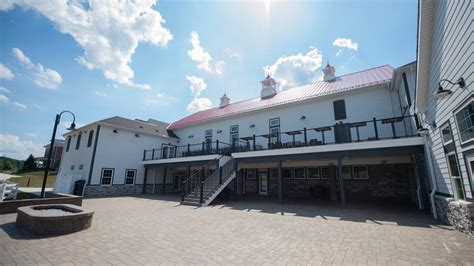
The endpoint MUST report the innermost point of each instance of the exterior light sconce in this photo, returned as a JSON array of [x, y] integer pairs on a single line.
[[136, 135], [441, 93], [219, 131], [303, 117], [423, 131], [432, 124], [252, 125], [190, 136], [115, 131]]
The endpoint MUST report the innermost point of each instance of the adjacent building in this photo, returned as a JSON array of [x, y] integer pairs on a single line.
[[106, 154], [445, 105]]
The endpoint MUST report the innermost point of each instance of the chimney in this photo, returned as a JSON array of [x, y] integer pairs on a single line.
[[224, 101], [268, 88], [329, 73]]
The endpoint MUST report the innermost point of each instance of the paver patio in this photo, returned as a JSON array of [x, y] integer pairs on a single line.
[[156, 229]]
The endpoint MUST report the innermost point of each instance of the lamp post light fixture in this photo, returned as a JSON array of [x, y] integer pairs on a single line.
[[51, 145], [441, 93]]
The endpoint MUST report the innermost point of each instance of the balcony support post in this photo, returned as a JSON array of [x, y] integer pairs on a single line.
[[144, 155], [189, 149], [144, 180], [341, 182], [280, 183], [164, 180], [254, 144], [153, 154], [375, 128], [305, 137]]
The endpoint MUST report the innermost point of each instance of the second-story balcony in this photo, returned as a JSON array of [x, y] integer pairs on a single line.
[[341, 133]]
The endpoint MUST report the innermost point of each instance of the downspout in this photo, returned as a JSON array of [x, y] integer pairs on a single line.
[[432, 175]]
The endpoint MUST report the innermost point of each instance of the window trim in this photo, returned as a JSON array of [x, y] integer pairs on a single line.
[[441, 128], [321, 172], [344, 167], [90, 138], [360, 165], [72, 167], [292, 174], [78, 141], [111, 178], [126, 176], [455, 113], [313, 167], [453, 177], [334, 109], [68, 143], [247, 174], [304, 173], [81, 166]]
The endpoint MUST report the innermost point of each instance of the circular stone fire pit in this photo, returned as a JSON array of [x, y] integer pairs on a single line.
[[53, 219]]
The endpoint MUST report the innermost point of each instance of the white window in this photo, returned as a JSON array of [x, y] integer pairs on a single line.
[[81, 167], [360, 172], [456, 181], [446, 134], [234, 135], [313, 173], [465, 121], [287, 173], [324, 172], [346, 172], [72, 167], [168, 151], [107, 176], [275, 122], [251, 174], [130, 176], [300, 173]]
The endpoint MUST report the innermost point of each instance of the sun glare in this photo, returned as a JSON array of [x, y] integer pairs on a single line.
[[267, 6]]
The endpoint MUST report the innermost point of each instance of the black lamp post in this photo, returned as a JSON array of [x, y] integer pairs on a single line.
[[51, 145]]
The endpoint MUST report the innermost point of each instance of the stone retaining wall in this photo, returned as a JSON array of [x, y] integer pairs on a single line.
[[122, 190], [459, 214], [11, 206]]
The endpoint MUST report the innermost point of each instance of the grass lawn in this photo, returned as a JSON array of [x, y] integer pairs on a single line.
[[35, 179]]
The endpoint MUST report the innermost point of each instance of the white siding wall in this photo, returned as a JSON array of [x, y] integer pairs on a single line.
[[81, 156], [121, 151], [451, 58], [361, 105]]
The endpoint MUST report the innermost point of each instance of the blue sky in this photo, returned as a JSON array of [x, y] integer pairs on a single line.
[[171, 58]]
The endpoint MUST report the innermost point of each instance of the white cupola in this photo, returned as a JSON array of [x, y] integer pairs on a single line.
[[224, 101], [329, 73], [268, 88]]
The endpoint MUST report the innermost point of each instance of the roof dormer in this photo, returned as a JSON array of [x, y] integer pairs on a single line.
[[268, 88], [224, 101], [329, 73]]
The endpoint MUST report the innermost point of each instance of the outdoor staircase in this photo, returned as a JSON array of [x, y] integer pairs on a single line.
[[199, 190]]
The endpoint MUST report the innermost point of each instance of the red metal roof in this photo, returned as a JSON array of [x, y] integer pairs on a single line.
[[365, 78]]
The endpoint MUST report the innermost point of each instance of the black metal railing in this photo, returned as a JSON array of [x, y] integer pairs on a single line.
[[200, 185], [361, 131], [204, 148]]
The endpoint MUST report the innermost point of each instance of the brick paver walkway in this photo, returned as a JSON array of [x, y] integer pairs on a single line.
[[153, 230]]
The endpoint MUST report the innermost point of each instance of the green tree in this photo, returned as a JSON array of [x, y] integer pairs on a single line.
[[29, 164]]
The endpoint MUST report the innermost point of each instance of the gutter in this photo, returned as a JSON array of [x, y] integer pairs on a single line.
[[432, 175]]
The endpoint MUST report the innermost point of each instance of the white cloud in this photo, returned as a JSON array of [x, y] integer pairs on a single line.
[[231, 53], [339, 52], [107, 31], [294, 70], [42, 77], [199, 104], [14, 147], [345, 43], [102, 94], [197, 85], [5, 72], [204, 59], [159, 99], [31, 134], [19, 105], [4, 99], [3, 89]]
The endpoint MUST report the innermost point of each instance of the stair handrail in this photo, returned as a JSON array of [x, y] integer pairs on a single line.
[[216, 179], [194, 181]]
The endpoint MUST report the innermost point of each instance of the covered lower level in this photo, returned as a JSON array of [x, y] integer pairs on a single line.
[[394, 174]]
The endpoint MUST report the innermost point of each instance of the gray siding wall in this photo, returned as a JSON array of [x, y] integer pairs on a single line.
[[451, 58]]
